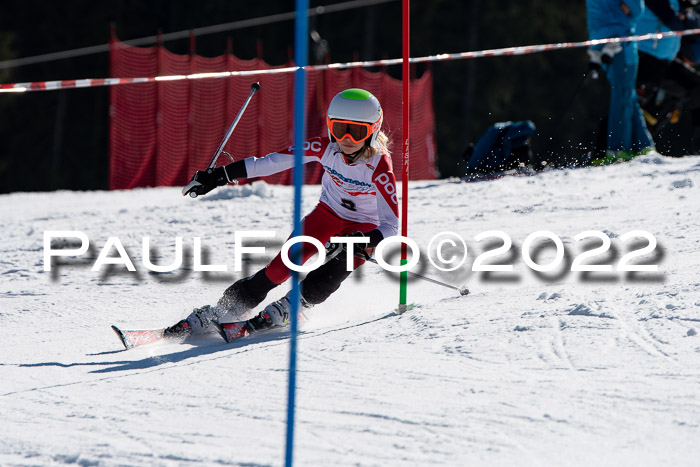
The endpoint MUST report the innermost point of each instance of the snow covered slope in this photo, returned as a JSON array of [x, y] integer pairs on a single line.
[[553, 368]]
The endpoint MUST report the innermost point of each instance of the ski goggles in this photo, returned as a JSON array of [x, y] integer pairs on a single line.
[[356, 131]]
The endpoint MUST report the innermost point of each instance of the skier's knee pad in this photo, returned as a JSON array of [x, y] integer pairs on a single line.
[[320, 283]]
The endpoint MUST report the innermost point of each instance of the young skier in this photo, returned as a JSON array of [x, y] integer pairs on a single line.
[[358, 198]]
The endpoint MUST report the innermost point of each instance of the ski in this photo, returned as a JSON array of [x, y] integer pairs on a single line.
[[138, 338], [132, 339], [228, 331]]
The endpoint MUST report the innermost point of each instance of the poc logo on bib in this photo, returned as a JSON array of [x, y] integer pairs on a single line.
[[312, 145], [384, 181]]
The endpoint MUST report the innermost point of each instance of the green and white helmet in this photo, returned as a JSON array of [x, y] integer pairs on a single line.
[[354, 114]]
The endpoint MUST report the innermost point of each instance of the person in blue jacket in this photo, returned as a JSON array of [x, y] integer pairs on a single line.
[[659, 16], [656, 55], [659, 74], [627, 134]]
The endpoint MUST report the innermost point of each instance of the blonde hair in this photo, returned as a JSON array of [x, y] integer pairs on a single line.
[[383, 144]]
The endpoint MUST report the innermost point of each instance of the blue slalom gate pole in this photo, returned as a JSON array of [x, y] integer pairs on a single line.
[[300, 57]]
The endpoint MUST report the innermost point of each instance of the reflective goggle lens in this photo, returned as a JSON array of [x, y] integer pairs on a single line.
[[357, 132]]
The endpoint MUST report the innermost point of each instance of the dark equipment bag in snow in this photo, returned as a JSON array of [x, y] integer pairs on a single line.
[[504, 146]]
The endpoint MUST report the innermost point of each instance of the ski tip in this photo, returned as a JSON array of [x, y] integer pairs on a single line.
[[122, 337]]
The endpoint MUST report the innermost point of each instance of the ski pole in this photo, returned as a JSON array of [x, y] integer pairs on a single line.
[[255, 87], [582, 81], [461, 290]]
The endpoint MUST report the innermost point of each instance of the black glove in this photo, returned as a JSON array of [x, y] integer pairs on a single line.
[[598, 58], [203, 181], [609, 51], [358, 249]]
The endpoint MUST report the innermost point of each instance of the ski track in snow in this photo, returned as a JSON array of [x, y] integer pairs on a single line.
[[560, 368]]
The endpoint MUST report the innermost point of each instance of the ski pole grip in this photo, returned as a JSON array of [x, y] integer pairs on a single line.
[[255, 86]]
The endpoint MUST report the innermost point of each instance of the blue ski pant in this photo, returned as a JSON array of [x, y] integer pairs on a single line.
[[627, 129]]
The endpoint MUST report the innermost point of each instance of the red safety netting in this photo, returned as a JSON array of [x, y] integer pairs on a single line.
[[161, 133]]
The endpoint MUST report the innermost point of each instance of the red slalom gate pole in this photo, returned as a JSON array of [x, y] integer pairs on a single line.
[[406, 77]]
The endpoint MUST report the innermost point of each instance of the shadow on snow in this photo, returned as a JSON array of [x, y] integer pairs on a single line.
[[205, 345]]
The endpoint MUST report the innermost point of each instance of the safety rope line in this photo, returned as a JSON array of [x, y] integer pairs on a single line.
[[519, 50]]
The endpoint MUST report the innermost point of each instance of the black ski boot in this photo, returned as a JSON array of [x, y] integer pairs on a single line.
[[276, 314], [196, 323], [180, 330]]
